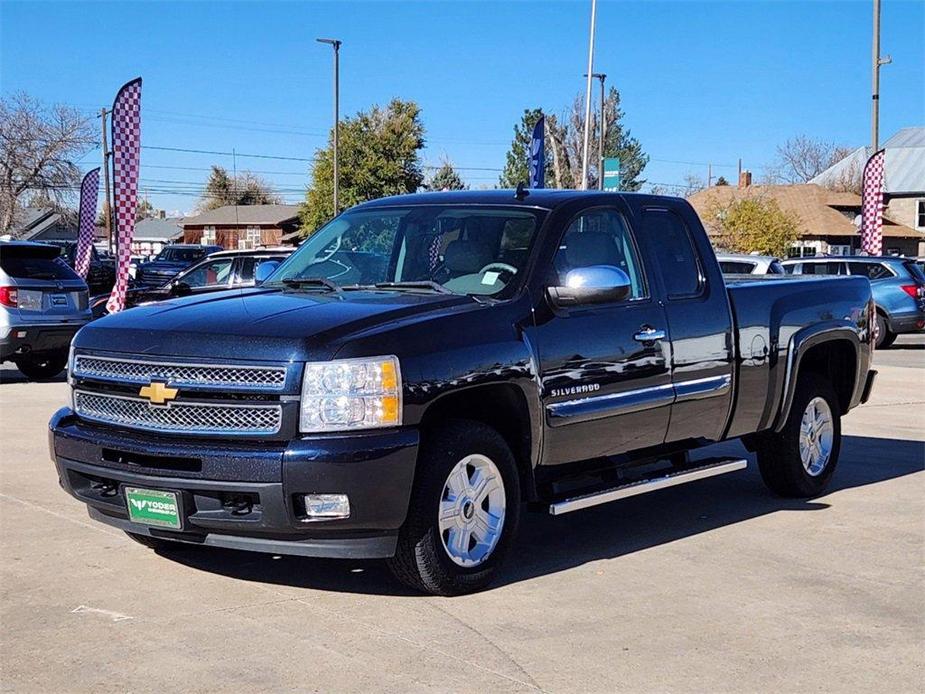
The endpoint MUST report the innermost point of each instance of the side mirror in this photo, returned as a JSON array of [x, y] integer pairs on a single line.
[[596, 284], [181, 289], [264, 270]]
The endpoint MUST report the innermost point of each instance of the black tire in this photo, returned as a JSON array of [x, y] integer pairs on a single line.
[[159, 544], [421, 560], [779, 458], [41, 367], [885, 337]]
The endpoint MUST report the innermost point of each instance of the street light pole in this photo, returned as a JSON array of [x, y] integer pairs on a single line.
[[587, 133], [601, 77], [335, 43], [875, 91]]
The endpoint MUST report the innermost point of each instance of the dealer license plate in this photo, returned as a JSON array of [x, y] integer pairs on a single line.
[[153, 507]]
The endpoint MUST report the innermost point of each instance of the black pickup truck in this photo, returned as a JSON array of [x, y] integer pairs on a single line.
[[426, 366]]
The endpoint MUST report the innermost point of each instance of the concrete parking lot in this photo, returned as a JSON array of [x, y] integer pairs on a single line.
[[712, 586]]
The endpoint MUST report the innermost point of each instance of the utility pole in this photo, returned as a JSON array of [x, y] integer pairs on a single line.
[[709, 175], [335, 43], [107, 211], [875, 90], [587, 133]]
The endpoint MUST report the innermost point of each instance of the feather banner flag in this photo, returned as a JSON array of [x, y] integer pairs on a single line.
[[126, 161], [872, 205], [538, 154], [89, 192]]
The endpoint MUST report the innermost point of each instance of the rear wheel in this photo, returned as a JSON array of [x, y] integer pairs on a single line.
[[800, 460], [464, 511], [42, 367]]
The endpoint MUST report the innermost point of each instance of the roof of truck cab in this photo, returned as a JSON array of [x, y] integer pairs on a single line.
[[543, 198]]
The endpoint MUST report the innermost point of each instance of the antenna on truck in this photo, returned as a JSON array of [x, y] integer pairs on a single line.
[[521, 192]]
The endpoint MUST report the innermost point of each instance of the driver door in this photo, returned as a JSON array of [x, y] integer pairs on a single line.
[[605, 368]]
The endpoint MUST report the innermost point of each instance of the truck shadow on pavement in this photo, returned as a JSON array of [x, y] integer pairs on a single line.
[[547, 544]]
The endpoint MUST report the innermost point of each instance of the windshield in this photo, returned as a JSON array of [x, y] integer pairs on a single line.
[[180, 255], [476, 250]]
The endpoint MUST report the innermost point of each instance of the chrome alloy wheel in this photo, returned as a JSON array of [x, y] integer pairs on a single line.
[[817, 434], [471, 515]]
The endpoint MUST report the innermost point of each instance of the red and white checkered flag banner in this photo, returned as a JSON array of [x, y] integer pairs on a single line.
[[872, 205], [89, 192], [126, 161]]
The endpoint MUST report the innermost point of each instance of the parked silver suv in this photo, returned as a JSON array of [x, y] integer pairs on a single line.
[[42, 304]]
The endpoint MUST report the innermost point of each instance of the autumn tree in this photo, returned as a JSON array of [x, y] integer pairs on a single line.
[[379, 154], [802, 158], [39, 150], [242, 189], [753, 224]]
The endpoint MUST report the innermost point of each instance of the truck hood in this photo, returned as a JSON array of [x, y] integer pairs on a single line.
[[255, 323]]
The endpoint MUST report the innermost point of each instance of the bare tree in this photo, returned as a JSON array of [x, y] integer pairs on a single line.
[[39, 146], [801, 158], [693, 183]]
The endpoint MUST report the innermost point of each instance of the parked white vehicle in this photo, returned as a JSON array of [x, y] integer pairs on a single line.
[[741, 264]]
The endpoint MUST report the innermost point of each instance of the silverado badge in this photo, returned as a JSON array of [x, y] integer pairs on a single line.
[[158, 393]]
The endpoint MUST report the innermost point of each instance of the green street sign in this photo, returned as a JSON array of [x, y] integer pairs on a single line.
[[612, 173]]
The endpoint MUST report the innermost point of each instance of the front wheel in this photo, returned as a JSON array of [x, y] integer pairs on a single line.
[[800, 460], [42, 368], [464, 511]]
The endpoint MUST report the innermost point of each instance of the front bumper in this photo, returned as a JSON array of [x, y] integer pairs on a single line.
[[50, 337], [245, 495]]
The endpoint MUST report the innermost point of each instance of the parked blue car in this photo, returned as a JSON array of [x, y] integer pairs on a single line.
[[898, 286]]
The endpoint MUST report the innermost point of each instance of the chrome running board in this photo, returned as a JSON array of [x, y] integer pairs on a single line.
[[647, 485]]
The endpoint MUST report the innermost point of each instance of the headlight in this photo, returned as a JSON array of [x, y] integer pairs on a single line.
[[349, 394]]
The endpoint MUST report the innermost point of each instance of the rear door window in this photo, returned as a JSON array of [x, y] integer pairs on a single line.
[[872, 271], [679, 263]]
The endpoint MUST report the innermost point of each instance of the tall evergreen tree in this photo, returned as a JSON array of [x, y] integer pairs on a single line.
[[446, 178], [517, 166], [564, 146]]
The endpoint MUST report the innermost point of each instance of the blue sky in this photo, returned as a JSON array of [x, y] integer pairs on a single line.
[[701, 81]]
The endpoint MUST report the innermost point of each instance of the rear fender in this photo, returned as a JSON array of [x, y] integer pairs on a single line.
[[799, 345]]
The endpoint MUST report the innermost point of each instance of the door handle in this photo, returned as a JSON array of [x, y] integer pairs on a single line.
[[649, 334]]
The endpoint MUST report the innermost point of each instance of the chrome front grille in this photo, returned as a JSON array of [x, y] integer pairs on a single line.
[[179, 417], [263, 378]]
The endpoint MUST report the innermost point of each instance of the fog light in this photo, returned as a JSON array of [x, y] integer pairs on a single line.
[[326, 506]]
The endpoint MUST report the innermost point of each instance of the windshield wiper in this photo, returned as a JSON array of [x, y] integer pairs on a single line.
[[414, 284], [318, 282]]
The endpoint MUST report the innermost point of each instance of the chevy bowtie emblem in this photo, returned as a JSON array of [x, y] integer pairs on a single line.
[[158, 393]]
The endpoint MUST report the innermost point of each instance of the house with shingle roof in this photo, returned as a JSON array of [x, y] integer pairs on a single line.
[[242, 226], [828, 219], [903, 177]]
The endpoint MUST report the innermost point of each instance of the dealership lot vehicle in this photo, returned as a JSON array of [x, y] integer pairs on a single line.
[[221, 270], [423, 365], [170, 262], [42, 305], [741, 264], [898, 287], [101, 273]]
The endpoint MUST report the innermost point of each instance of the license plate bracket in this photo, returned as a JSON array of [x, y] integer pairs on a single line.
[[155, 507]]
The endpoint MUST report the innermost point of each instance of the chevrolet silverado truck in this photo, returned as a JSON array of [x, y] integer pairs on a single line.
[[424, 367]]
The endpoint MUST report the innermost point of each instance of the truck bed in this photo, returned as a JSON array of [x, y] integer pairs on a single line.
[[771, 314]]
